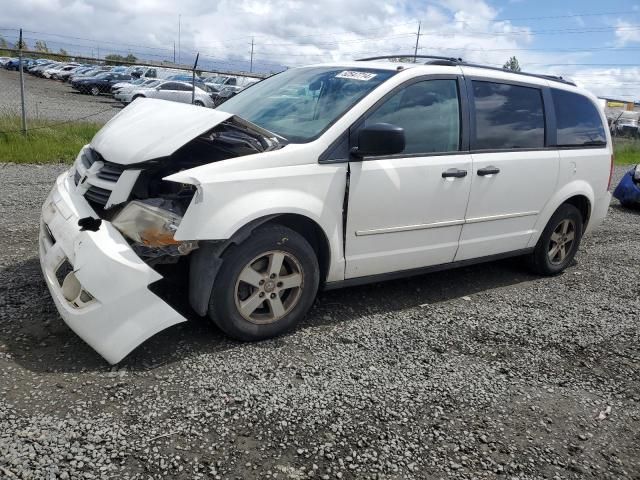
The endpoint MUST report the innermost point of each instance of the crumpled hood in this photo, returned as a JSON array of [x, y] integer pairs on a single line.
[[150, 128]]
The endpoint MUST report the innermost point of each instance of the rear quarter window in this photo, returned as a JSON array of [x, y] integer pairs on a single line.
[[578, 121]]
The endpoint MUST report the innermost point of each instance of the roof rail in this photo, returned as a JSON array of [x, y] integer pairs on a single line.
[[436, 60], [434, 57]]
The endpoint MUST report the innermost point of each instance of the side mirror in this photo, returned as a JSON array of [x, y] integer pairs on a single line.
[[379, 139]]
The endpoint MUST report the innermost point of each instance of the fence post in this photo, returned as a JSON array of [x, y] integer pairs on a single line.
[[24, 113], [193, 79]]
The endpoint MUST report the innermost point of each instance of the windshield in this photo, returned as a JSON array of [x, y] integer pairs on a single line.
[[301, 103]]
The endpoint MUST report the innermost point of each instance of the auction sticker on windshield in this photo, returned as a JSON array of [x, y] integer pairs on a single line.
[[364, 76]]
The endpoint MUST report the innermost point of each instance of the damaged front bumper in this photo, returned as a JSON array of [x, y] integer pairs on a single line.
[[114, 310]]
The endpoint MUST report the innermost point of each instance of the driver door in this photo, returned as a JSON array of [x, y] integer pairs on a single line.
[[406, 211]]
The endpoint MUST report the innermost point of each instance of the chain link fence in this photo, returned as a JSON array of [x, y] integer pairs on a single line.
[[39, 89]]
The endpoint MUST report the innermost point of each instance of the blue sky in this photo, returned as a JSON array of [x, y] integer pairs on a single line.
[[595, 43]]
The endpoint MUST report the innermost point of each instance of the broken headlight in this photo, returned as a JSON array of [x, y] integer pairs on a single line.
[[153, 223]]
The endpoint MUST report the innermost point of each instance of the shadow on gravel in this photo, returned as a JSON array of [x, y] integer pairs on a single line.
[[37, 338], [634, 210]]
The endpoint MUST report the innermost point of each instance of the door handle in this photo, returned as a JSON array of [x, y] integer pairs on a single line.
[[454, 173], [490, 170]]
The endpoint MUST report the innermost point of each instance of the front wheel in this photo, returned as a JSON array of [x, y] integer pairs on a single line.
[[95, 91], [265, 285], [198, 103], [559, 241]]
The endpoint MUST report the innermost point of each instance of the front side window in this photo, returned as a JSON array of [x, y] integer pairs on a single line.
[[301, 103], [507, 116], [429, 113], [577, 120]]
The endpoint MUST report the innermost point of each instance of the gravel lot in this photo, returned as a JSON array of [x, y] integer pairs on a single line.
[[482, 372], [53, 100]]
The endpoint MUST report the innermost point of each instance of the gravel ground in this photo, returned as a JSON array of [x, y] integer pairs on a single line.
[[53, 100], [482, 372]]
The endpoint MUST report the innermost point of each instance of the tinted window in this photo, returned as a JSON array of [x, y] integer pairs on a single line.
[[429, 114], [577, 119], [507, 116], [170, 86]]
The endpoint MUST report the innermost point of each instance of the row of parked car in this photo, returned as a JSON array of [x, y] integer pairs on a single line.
[[126, 83]]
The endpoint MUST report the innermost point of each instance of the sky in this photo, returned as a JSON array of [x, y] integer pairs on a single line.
[[597, 44]]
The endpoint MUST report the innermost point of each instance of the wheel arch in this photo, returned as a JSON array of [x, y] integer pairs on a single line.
[[207, 260], [578, 193]]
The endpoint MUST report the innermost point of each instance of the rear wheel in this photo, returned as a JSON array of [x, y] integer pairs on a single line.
[[265, 285], [95, 91], [137, 96], [559, 241]]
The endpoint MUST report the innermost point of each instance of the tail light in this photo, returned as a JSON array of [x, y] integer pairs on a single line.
[[611, 172]]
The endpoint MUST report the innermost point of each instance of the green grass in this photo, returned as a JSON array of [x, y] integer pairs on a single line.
[[48, 142], [45, 142], [627, 151]]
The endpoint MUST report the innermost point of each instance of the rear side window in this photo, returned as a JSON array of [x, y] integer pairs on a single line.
[[577, 119], [507, 116]]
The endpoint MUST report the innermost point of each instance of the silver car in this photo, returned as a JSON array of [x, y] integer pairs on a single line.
[[168, 90]]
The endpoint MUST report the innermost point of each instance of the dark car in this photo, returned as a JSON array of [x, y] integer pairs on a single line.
[[15, 64], [101, 83]]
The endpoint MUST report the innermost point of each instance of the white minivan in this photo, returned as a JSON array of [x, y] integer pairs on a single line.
[[319, 177]]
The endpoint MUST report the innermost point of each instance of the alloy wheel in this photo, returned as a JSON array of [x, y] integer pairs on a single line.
[[561, 241], [269, 287]]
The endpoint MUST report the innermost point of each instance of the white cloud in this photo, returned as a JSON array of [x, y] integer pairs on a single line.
[[292, 32], [626, 33]]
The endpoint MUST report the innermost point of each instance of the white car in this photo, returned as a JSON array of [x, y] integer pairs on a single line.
[[365, 171], [53, 71], [167, 90]]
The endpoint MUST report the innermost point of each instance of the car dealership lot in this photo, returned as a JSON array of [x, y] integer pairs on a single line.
[[480, 372], [53, 100]]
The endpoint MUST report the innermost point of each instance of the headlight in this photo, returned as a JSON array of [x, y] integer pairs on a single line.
[[148, 224]]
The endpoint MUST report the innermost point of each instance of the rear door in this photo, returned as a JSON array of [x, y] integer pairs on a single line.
[[406, 211], [514, 172]]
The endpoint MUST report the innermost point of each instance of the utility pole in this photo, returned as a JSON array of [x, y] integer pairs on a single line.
[[179, 37], [415, 53], [174, 52], [24, 112], [251, 63]]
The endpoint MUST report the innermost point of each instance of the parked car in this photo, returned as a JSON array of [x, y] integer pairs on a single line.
[[66, 74], [626, 124], [39, 70], [628, 190], [91, 72], [14, 64], [224, 94], [186, 78], [98, 84], [52, 71], [5, 60], [63, 70], [366, 171], [134, 83], [168, 90], [37, 67]]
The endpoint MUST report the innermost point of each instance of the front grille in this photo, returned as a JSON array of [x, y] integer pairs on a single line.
[[97, 195], [110, 171]]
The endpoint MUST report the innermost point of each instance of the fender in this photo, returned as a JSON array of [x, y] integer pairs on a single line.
[[570, 189]]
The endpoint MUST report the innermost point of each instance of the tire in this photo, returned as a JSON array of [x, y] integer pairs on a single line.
[[95, 91], [198, 103], [259, 319], [136, 97], [564, 228]]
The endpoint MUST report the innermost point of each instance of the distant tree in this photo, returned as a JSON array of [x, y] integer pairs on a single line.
[[22, 44], [3, 46], [41, 46], [62, 51], [512, 64], [113, 58]]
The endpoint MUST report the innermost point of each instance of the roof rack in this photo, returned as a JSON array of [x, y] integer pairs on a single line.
[[436, 60]]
